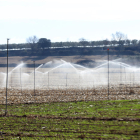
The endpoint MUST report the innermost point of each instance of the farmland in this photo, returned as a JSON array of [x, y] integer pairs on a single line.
[[63, 100], [72, 120]]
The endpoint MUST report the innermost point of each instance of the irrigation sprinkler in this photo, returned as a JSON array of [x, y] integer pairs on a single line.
[[108, 72], [20, 81], [34, 78], [7, 77], [133, 79], [66, 79], [79, 81], [125, 80], [120, 78], [130, 80], [48, 79], [11, 81]]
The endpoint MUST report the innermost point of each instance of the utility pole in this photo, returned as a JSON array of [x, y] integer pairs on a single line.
[[7, 77], [108, 72]]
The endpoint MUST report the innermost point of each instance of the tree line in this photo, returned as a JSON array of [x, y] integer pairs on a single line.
[[37, 46], [118, 39]]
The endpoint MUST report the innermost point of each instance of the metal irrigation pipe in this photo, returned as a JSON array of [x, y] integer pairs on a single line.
[[120, 78], [48, 79], [108, 72], [66, 79], [20, 81], [125, 80], [34, 78], [7, 77], [133, 79], [11, 81], [130, 80], [79, 81]]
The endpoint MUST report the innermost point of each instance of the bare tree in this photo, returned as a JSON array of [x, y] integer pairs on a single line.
[[83, 42], [120, 38], [32, 42]]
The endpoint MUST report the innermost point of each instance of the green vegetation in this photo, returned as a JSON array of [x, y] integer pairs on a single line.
[[72, 120]]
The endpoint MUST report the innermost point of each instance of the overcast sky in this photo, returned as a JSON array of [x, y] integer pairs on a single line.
[[68, 20]]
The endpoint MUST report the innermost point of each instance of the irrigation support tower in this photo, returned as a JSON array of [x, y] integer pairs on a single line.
[[108, 72], [7, 77]]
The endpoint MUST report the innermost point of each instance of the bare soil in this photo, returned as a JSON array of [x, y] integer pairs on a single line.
[[44, 59]]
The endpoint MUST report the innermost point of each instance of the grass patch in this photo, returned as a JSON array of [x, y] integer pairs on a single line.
[[72, 120]]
